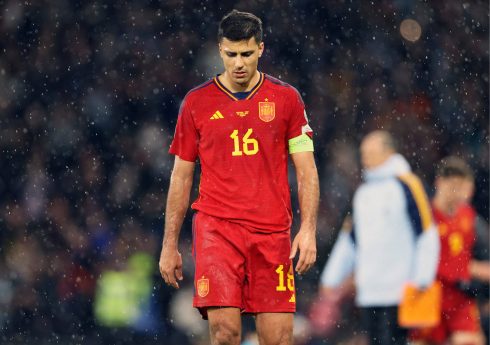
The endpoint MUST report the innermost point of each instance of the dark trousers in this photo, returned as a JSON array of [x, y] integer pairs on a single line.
[[381, 326]]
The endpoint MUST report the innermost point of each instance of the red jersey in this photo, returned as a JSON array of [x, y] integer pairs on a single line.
[[459, 311], [242, 146], [457, 234]]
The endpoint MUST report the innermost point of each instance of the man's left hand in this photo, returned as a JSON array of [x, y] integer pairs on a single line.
[[305, 242]]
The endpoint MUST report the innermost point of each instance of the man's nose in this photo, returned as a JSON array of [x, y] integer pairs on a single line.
[[239, 61]]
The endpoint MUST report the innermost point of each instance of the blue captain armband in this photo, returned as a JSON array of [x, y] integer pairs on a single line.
[[301, 143]]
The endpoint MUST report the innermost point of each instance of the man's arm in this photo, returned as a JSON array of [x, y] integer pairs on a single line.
[[177, 204], [480, 264], [480, 271], [308, 194], [426, 258], [341, 260], [427, 246]]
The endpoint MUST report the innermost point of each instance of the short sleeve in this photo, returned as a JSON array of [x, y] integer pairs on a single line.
[[186, 138], [298, 122], [299, 132]]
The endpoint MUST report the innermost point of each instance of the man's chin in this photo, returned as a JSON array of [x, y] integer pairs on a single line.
[[241, 81]]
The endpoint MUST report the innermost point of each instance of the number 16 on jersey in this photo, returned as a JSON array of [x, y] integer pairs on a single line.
[[249, 147]]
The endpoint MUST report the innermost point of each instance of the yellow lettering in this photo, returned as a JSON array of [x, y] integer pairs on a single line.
[[290, 279], [236, 143], [280, 272], [250, 146]]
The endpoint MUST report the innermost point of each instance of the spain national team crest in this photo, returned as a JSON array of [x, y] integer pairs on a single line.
[[203, 287], [267, 111]]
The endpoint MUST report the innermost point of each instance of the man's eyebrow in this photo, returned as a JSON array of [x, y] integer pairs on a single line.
[[235, 52]]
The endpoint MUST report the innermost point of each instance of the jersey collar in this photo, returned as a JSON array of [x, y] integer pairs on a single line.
[[230, 94]]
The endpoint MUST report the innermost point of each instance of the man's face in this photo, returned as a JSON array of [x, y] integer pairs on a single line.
[[451, 189], [467, 190], [373, 152], [240, 59]]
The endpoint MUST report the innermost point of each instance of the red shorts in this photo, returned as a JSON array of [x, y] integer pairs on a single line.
[[238, 266], [459, 314]]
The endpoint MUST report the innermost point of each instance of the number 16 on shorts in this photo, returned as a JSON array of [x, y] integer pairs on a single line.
[[286, 281]]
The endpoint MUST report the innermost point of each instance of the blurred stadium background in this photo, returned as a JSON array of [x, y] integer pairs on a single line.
[[89, 95]]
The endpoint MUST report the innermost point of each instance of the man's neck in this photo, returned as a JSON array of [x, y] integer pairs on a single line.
[[443, 206], [234, 87]]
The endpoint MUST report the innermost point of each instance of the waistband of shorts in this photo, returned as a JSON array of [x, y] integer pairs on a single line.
[[244, 224]]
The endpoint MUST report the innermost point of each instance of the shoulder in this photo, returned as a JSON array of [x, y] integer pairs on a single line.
[[466, 210], [413, 187], [199, 90], [281, 85], [412, 181], [417, 200], [387, 191]]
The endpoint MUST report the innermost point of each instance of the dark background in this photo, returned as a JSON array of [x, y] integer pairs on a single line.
[[89, 95]]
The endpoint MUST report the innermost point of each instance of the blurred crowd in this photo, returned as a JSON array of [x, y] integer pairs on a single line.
[[89, 95]]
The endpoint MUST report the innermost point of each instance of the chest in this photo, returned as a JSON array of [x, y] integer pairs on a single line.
[[462, 224], [242, 125], [456, 233], [379, 201]]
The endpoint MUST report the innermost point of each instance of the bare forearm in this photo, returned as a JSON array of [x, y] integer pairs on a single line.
[[177, 204], [308, 195], [480, 270]]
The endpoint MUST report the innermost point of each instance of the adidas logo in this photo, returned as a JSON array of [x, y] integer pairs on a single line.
[[217, 115]]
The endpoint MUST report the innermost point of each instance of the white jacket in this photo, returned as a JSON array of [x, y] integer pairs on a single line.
[[393, 241]]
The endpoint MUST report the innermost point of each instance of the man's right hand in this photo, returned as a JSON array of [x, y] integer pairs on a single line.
[[171, 266]]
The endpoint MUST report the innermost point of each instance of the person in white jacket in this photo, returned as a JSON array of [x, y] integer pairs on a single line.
[[393, 241]]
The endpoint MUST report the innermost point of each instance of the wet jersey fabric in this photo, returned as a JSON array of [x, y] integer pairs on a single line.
[[242, 146], [457, 236], [459, 311], [236, 267]]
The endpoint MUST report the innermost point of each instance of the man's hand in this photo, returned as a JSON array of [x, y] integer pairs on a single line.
[[308, 197], [177, 203], [171, 266], [305, 242]]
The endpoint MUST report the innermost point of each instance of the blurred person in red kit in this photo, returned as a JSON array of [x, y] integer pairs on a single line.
[[456, 219], [479, 283]]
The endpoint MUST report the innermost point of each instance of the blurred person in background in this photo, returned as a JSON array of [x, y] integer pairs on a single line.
[[392, 242], [332, 306], [479, 285], [458, 272], [241, 125]]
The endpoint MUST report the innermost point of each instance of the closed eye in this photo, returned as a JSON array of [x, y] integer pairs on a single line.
[[244, 54]]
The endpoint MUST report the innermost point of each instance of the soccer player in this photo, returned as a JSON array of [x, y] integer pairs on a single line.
[[241, 125], [480, 263], [478, 286], [460, 322]]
